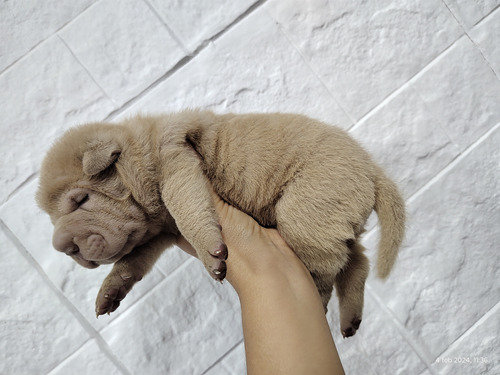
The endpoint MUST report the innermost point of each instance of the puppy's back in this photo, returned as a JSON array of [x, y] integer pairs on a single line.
[[251, 158]]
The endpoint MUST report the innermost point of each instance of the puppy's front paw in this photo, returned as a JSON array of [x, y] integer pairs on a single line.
[[113, 290], [219, 270], [216, 262]]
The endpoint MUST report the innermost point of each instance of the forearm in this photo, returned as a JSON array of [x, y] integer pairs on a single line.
[[285, 328], [284, 324]]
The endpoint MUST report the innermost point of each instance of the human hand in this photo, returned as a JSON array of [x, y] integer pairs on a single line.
[[284, 325], [255, 253]]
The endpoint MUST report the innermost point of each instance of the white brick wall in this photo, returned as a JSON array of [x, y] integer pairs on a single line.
[[416, 82]]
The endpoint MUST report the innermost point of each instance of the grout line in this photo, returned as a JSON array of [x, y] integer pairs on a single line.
[[129, 103], [184, 61], [468, 30], [222, 357], [91, 331], [440, 123], [85, 10], [414, 344], [380, 105], [256, 5], [313, 71], [491, 312], [479, 49], [486, 16], [21, 58], [405, 85], [170, 31], [86, 70], [454, 16], [69, 357], [45, 39], [19, 187], [452, 164]]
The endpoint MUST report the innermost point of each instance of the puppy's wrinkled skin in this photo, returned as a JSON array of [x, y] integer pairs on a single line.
[[122, 194]]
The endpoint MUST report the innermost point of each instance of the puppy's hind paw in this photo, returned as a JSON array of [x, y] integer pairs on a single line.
[[352, 328], [215, 261]]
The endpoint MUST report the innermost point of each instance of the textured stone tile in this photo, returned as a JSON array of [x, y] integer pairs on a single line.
[[487, 36], [470, 12], [36, 330], [406, 140], [362, 50], [462, 92], [446, 275], [378, 347], [209, 17], [47, 92], [243, 71], [124, 46], [88, 360], [232, 363], [26, 23], [182, 327], [79, 285], [477, 351]]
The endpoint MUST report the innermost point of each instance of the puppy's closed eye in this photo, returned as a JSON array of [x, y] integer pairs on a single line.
[[80, 200], [75, 199]]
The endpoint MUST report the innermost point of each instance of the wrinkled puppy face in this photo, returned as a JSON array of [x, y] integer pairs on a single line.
[[95, 229], [96, 220]]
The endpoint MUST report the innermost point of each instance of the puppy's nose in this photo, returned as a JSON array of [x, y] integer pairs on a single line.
[[63, 242]]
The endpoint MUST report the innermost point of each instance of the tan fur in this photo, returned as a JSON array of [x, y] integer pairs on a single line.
[[122, 193]]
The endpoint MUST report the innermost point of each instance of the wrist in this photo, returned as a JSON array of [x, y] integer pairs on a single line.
[[273, 281]]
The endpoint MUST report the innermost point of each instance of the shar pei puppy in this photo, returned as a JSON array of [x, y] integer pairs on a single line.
[[122, 193]]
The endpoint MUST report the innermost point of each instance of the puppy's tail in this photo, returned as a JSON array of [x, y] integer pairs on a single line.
[[390, 208]]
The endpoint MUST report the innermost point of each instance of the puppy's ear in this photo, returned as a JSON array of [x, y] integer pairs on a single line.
[[100, 156]]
